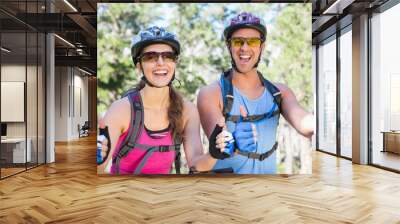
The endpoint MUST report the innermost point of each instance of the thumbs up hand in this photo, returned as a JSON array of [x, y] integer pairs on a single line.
[[225, 141], [245, 134], [221, 141], [103, 143]]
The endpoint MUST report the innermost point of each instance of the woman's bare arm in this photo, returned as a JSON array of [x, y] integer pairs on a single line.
[[117, 120], [192, 143]]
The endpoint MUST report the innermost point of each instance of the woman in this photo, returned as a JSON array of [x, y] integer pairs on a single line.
[[148, 125]]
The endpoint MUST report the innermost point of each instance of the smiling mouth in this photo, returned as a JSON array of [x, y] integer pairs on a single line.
[[160, 72], [244, 58]]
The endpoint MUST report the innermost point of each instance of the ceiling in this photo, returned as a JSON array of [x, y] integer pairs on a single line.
[[328, 16], [74, 22]]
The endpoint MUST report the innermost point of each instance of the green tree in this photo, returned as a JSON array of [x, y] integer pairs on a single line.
[[204, 56], [117, 24], [199, 27], [289, 58]]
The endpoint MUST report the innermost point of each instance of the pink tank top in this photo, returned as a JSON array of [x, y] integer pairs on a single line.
[[157, 163]]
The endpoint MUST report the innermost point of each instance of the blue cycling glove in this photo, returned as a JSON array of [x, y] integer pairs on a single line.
[[244, 137], [230, 143], [103, 137]]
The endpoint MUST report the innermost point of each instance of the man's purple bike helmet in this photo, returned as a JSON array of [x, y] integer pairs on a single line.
[[245, 20]]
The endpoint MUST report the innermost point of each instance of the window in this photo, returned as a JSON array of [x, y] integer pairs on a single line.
[[327, 96], [22, 76], [385, 86], [345, 93]]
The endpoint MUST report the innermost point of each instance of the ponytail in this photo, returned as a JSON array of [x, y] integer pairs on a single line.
[[175, 109], [140, 85]]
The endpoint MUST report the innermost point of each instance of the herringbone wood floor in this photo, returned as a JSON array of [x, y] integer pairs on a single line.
[[70, 191]]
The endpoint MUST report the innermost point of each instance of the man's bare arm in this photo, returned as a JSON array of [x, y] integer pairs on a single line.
[[209, 104], [294, 113]]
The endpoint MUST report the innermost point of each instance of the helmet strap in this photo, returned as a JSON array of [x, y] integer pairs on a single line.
[[173, 78], [258, 60], [259, 57]]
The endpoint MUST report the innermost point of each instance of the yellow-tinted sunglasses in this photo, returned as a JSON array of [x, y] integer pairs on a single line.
[[251, 42]]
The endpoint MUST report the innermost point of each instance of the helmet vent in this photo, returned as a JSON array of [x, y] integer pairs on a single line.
[[157, 31]]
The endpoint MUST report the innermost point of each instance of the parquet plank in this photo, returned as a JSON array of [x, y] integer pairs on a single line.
[[69, 191]]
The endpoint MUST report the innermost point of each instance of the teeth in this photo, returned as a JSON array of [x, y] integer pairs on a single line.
[[244, 56], [160, 72]]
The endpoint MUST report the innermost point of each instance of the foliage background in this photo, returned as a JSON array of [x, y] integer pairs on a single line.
[[199, 27]]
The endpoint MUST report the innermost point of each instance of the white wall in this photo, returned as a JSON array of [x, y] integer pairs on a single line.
[[61, 103], [33, 126], [71, 88], [12, 73], [80, 96], [12, 101]]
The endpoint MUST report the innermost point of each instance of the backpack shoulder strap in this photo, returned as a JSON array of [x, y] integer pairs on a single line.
[[273, 90], [134, 128], [177, 146], [135, 125], [227, 92]]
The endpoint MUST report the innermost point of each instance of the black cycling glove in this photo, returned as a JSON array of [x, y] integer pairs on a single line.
[[214, 151]]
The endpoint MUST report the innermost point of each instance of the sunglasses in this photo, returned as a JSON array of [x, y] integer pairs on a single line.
[[152, 56], [251, 42]]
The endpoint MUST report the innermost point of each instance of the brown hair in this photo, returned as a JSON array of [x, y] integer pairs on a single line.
[[175, 109]]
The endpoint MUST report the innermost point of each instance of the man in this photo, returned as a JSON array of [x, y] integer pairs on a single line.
[[249, 104]]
